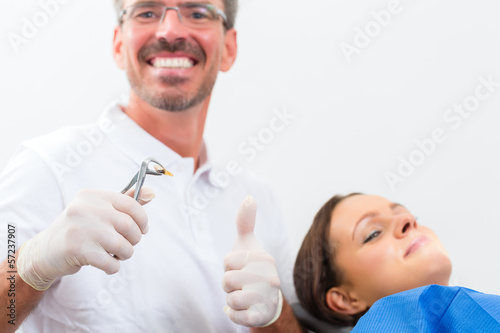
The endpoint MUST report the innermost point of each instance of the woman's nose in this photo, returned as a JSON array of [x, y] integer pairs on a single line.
[[404, 224]]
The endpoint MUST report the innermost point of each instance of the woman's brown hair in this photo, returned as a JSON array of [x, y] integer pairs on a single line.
[[315, 271]]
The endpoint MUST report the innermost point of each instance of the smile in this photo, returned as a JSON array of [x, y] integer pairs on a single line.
[[416, 244], [170, 62]]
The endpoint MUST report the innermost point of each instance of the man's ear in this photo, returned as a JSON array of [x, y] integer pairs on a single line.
[[117, 47], [340, 300], [230, 50]]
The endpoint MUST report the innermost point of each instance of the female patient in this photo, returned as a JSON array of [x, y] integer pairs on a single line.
[[361, 248]]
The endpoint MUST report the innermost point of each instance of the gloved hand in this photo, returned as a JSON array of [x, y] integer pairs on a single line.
[[94, 226], [251, 279]]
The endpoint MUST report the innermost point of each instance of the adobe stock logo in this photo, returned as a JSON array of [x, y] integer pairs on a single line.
[[92, 137], [249, 149], [454, 118], [363, 37], [31, 26], [255, 144]]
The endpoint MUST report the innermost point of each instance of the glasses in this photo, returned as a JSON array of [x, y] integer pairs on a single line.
[[192, 15]]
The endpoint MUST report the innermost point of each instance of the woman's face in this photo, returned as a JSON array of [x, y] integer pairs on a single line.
[[382, 250]]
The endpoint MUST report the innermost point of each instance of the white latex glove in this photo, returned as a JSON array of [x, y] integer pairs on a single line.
[[94, 226], [251, 279]]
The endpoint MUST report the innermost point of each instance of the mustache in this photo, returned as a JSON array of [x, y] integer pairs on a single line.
[[164, 46]]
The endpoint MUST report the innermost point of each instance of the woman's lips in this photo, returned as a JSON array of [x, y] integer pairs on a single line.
[[416, 244]]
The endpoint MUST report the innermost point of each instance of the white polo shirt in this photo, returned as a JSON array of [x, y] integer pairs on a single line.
[[173, 281]]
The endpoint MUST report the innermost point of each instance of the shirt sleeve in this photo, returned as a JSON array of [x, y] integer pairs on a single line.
[[30, 197]]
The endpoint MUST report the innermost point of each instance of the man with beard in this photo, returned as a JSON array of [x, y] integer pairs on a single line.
[[60, 193]]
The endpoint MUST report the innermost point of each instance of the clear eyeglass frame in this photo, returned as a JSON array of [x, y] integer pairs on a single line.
[[193, 15]]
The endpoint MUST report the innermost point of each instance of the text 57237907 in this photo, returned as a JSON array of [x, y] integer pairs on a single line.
[[11, 273]]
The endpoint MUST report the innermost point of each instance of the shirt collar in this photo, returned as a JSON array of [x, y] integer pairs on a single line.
[[137, 144]]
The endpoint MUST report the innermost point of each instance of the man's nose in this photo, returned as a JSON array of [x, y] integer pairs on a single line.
[[170, 27], [404, 224]]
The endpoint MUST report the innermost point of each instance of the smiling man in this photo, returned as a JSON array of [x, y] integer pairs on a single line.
[[164, 261]]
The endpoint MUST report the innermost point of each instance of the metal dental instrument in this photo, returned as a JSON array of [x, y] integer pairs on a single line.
[[140, 176]]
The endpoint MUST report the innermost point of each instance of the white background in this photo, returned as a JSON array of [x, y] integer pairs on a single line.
[[353, 120]]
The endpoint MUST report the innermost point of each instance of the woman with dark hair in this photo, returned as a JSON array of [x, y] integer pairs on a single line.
[[361, 249]]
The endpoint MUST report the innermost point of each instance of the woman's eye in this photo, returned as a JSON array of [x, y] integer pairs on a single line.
[[371, 236]]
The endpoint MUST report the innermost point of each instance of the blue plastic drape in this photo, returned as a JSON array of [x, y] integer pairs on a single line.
[[433, 309]]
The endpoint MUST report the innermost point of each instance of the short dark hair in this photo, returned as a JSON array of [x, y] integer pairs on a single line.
[[230, 9], [315, 270]]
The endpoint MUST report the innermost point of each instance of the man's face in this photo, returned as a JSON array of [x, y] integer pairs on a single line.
[[382, 250], [170, 66]]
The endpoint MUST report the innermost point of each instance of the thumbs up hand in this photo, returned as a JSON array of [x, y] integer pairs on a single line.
[[251, 279]]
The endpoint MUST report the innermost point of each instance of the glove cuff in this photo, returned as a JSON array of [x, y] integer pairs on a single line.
[[27, 271], [278, 310]]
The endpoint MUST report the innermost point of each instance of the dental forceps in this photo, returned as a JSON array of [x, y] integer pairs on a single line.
[[140, 176]]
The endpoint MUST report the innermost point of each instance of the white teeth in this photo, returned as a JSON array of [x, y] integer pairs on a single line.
[[172, 63]]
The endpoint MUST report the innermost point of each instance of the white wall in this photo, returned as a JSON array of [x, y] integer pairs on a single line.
[[352, 119]]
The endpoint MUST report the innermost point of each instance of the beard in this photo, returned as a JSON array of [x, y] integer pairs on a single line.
[[178, 101]]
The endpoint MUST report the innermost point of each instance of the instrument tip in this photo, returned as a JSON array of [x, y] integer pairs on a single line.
[[162, 170]]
